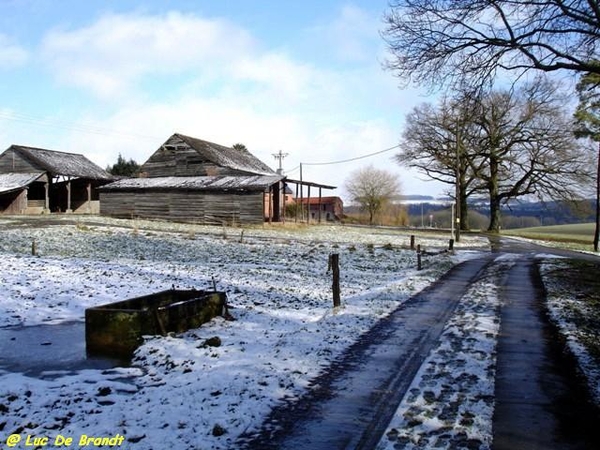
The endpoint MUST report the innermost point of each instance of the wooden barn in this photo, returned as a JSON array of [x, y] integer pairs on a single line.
[[192, 180], [36, 181]]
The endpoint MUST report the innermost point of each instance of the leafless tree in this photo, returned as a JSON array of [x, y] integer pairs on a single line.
[[526, 143], [450, 42], [436, 142], [372, 189], [507, 144]]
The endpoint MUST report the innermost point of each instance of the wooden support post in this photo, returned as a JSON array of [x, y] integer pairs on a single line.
[[69, 210], [419, 264], [308, 206], [46, 197], [270, 203], [33, 248], [412, 241], [335, 269], [296, 205], [320, 198], [451, 245], [89, 198]]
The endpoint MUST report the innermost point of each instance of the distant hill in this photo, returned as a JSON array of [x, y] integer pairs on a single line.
[[517, 213]]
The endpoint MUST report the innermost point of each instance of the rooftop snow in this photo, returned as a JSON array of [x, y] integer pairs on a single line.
[[62, 163], [215, 183], [226, 156], [13, 181]]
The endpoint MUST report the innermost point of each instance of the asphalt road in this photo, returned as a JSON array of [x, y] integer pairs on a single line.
[[540, 401]]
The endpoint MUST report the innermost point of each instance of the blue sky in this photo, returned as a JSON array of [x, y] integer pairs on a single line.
[[107, 77]]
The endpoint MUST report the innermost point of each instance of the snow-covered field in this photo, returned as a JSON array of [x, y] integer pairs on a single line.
[[182, 392]]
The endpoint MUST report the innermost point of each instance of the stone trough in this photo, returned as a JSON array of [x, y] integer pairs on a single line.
[[117, 329]]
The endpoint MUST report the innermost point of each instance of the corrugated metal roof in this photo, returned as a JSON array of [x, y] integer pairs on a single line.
[[217, 183], [14, 181], [62, 163], [229, 157]]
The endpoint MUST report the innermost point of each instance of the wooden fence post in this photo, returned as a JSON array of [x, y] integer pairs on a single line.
[[419, 265], [451, 245], [412, 241], [335, 269], [33, 248]]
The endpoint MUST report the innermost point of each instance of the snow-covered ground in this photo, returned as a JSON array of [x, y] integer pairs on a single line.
[[574, 308], [183, 391]]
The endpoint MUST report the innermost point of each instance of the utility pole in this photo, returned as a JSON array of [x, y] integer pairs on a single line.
[[280, 156], [458, 180], [597, 230]]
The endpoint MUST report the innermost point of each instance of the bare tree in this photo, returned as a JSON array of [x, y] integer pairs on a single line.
[[450, 42], [508, 144], [372, 189], [436, 142], [528, 149]]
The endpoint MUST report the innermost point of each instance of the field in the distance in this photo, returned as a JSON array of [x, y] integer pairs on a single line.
[[580, 233]]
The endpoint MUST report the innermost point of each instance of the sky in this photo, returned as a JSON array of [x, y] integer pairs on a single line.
[[103, 78]]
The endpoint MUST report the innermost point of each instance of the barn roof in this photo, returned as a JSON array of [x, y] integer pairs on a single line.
[[14, 181], [223, 156], [61, 163], [214, 183]]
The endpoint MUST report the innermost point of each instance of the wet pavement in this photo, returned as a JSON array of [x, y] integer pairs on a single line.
[[351, 404], [540, 401], [43, 350]]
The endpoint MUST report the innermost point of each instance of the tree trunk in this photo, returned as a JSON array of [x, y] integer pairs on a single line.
[[494, 197], [494, 214]]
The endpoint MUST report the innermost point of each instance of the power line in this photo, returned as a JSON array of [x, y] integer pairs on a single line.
[[82, 128], [352, 159]]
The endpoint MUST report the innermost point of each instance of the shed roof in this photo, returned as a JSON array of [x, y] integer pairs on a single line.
[[200, 183], [61, 163], [14, 181], [223, 156]]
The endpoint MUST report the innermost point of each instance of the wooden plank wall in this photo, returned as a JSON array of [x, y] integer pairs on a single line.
[[183, 162], [14, 202], [10, 161], [185, 206]]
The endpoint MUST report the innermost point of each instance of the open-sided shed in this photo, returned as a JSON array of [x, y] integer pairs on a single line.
[[35, 180]]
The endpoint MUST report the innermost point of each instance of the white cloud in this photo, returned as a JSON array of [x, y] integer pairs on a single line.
[[350, 37], [235, 91], [11, 54], [110, 55]]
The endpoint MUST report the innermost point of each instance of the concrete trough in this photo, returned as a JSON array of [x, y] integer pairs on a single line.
[[117, 329]]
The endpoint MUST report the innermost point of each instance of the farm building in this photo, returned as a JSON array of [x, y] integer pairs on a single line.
[[192, 180], [323, 208], [35, 181]]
